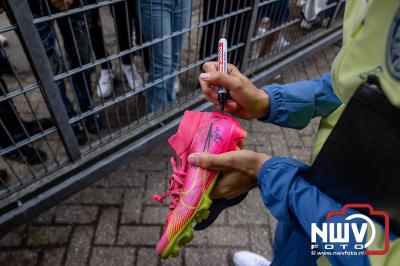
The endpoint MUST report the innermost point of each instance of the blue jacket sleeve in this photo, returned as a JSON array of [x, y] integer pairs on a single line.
[[297, 203], [294, 105]]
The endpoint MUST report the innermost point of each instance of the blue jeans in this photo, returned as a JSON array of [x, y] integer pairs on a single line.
[[78, 31], [160, 18]]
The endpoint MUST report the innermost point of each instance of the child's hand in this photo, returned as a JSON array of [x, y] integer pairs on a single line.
[[245, 100], [239, 170], [62, 4]]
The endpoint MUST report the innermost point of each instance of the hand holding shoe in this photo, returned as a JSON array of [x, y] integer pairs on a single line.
[[239, 170]]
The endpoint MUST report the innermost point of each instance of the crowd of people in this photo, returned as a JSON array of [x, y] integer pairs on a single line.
[[77, 40]]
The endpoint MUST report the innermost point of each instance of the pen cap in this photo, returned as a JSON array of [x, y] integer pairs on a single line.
[[222, 56]]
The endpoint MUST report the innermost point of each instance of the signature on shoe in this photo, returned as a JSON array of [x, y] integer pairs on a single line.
[[214, 135]]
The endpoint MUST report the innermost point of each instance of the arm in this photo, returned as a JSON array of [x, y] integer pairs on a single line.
[[294, 105], [295, 202], [289, 105]]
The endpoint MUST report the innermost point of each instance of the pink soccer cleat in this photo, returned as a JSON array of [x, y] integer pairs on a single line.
[[189, 185]]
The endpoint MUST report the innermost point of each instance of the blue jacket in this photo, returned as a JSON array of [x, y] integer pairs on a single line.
[[291, 200]]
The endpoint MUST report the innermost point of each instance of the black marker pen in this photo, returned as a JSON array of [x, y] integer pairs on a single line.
[[222, 67]]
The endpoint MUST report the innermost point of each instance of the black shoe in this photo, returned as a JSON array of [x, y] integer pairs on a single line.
[[3, 175], [33, 127], [80, 133], [27, 154], [93, 124], [5, 67], [217, 206]]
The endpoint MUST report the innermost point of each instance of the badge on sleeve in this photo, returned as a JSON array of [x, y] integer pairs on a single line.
[[393, 48]]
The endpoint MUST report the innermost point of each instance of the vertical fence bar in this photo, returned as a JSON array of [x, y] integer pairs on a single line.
[[21, 15], [337, 8], [250, 33]]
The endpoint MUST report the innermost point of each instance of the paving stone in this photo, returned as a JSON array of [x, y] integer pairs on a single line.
[[221, 219], [106, 231], [161, 149], [53, 256], [292, 138], [279, 146], [147, 163], [223, 236], [76, 214], [46, 217], [311, 69], [155, 215], [116, 256], [321, 62], [245, 123], [147, 256], [156, 183], [264, 149], [200, 238], [308, 141], [258, 139], [174, 261], [260, 239], [272, 226], [210, 256], [139, 235], [301, 154], [315, 126], [300, 73], [13, 238], [125, 176], [288, 76], [18, 258], [78, 250], [132, 208], [93, 195], [258, 126], [307, 131], [251, 211], [47, 235]]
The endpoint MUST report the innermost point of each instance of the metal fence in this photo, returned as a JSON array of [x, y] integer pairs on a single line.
[[86, 84]]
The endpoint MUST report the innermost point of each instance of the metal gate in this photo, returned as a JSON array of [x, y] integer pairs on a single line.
[[114, 77]]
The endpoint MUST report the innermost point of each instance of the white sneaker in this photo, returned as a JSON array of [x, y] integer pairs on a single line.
[[132, 76], [247, 258], [280, 43], [301, 3], [306, 25], [3, 40], [177, 85], [105, 83], [263, 26]]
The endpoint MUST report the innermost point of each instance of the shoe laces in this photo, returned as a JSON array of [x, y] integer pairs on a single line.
[[176, 181]]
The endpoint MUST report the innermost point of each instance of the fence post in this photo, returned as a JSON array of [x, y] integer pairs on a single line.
[[21, 15], [337, 8], [250, 33]]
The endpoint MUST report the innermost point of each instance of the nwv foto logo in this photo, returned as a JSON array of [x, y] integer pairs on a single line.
[[351, 234]]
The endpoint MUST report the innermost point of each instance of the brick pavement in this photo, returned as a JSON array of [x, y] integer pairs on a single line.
[[115, 222]]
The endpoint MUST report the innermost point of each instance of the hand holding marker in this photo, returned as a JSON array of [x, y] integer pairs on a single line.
[[222, 67]]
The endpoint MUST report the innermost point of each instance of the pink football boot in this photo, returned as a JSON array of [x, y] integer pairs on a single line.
[[189, 185]]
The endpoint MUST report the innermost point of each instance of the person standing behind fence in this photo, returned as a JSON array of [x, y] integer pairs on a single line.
[[274, 14], [123, 13], [161, 18], [77, 47], [14, 129]]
